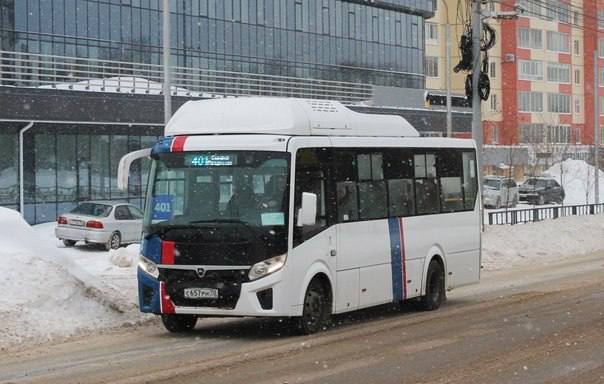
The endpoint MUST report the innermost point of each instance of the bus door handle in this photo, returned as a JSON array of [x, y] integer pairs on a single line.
[[333, 252]]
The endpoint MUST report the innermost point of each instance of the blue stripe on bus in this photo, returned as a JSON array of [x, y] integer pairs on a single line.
[[164, 145], [395, 258]]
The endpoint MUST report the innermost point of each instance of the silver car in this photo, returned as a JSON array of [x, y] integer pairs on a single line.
[[498, 191], [109, 223]]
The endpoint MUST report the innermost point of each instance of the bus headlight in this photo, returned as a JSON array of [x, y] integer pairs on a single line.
[[148, 267], [266, 267]]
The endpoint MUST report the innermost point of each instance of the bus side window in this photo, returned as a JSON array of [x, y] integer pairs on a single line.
[[470, 182], [398, 172], [311, 176], [449, 172], [427, 195], [347, 198]]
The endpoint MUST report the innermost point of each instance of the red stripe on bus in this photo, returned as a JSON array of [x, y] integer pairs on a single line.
[[167, 252], [166, 304], [403, 258], [178, 144]]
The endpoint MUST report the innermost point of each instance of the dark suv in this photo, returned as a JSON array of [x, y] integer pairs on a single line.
[[541, 190]]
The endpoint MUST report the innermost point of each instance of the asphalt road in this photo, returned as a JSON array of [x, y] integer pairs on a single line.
[[540, 324]]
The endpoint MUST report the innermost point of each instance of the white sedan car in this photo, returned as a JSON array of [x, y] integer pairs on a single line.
[[109, 223]]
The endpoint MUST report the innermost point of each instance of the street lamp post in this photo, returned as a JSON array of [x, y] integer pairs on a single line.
[[167, 63]]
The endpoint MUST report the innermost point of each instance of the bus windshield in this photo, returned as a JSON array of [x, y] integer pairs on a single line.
[[221, 197]]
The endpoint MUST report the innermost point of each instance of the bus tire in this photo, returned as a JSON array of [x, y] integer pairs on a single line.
[[179, 323], [316, 310], [435, 287]]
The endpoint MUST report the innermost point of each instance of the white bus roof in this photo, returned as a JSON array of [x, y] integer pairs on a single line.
[[282, 116]]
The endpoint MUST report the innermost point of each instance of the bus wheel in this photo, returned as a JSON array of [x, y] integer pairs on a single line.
[[435, 287], [179, 323], [317, 308]]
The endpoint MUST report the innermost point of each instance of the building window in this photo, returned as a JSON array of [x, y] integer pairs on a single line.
[[493, 69], [558, 134], [601, 18], [577, 135], [533, 9], [431, 33], [530, 70], [351, 25], [325, 21], [558, 41], [601, 105], [530, 38], [432, 66], [577, 76], [532, 133], [375, 35], [577, 105], [530, 101], [576, 18], [558, 103], [298, 15], [601, 79], [398, 33], [601, 47], [494, 106], [576, 47], [495, 135], [557, 10], [559, 73]]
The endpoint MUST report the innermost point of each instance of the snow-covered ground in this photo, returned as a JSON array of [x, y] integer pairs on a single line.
[[116, 268], [578, 179], [50, 291], [505, 246], [47, 293]]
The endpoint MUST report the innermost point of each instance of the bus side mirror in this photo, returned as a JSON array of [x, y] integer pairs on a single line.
[[123, 168], [307, 215]]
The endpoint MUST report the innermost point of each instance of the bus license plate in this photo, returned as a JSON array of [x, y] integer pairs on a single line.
[[201, 293]]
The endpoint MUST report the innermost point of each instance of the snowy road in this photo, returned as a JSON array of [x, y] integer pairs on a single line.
[[530, 324]]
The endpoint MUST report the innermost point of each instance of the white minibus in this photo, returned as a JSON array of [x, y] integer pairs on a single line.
[[302, 209]]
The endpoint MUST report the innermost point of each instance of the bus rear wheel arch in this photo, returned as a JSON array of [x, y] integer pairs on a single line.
[[317, 305], [435, 292]]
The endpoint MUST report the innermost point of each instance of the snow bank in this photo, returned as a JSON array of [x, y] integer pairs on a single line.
[[124, 257], [577, 178], [44, 294], [507, 245]]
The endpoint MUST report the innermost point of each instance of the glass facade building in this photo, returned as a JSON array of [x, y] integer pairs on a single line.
[[361, 41], [64, 164], [374, 42]]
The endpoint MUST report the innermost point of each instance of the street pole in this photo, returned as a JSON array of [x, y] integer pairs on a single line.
[[448, 69], [597, 139], [167, 63], [476, 112]]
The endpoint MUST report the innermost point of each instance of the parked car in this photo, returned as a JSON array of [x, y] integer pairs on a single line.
[[541, 190], [109, 223], [499, 191]]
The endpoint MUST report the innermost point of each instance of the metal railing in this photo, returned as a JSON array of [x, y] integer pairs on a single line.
[[521, 216], [84, 74]]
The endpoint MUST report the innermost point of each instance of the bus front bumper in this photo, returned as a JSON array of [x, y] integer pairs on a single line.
[[262, 297]]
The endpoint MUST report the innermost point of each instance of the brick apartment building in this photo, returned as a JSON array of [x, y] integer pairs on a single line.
[[541, 108]]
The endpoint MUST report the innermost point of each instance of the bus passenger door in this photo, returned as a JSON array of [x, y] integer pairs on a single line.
[[314, 246]]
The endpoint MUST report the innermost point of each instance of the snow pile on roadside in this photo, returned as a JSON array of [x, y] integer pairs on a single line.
[[44, 295], [577, 177], [124, 257], [507, 245]]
